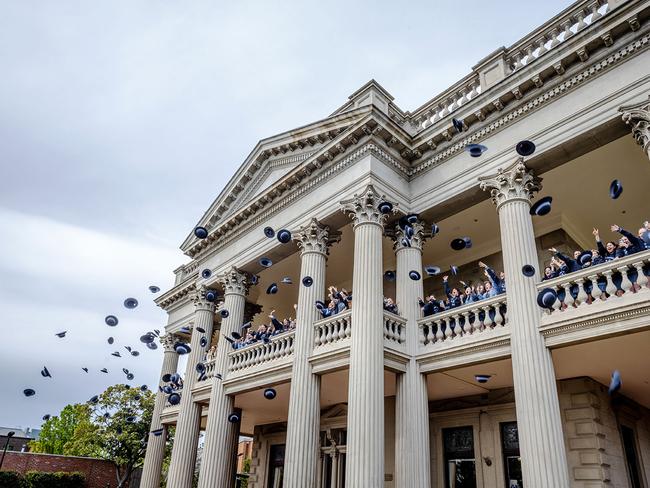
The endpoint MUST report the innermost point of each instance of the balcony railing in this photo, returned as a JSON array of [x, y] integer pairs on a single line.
[[279, 346], [333, 329], [471, 319], [605, 282], [394, 329]]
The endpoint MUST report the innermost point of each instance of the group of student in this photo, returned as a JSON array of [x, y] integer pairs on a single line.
[[467, 293], [265, 332], [628, 244], [337, 301]]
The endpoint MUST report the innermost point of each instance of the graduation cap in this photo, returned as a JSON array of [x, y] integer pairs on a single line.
[[61, 335], [266, 262], [270, 393], [389, 275], [206, 273], [130, 376], [320, 305], [255, 279], [453, 269], [94, 399], [130, 303], [408, 230], [307, 281], [475, 150], [236, 335], [458, 124], [432, 270], [156, 332], [174, 398], [546, 298], [153, 346], [272, 289], [414, 275], [204, 341], [46, 417], [110, 340], [45, 372], [615, 383], [201, 232], [461, 243], [147, 338], [233, 418], [128, 348], [407, 220], [541, 207], [210, 295], [200, 368], [615, 189], [85, 369], [528, 270], [525, 148], [434, 229], [144, 388], [482, 378], [131, 419], [224, 314], [182, 348], [158, 432], [167, 389], [116, 354], [107, 415], [200, 329], [175, 378], [104, 370], [284, 236], [385, 207], [154, 289], [185, 330], [135, 354], [111, 320], [406, 242], [287, 281], [269, 232], [29, 392], [585, 257]]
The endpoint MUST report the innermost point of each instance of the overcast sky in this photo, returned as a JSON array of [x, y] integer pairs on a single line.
[[120, 122]]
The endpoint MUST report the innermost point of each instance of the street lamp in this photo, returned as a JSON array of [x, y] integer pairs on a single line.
[[10, 434]]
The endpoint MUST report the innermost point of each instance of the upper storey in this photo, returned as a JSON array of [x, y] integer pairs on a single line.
[[583, 42]]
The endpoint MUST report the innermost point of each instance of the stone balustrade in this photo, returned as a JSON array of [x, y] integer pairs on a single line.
[[333, 329], [279, 346], [604, 282], [471, 319], [394, 329]]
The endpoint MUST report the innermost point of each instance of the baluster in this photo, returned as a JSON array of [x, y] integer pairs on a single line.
[[581, 20], [487, 322], [431, 336], [328, 335], [448, 331], [291, 346], [440, 336], [466, 327], [317, 337], [582, 292], [567, 29], [626, 284], [529, 54], [388, 330], [595, 290], [611, 287], [555, 34], [471, 327], [498, 318], [348, 326], [641, 279], [461, 98], [594, 11], [542, 47], [557, 304]]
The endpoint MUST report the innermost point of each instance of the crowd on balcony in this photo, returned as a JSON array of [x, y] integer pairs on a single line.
[[264, 332], [337, 301], [466, 293]]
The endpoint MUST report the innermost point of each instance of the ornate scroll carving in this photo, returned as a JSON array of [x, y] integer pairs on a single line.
[[516, 182], [638, 118], [363, 208], [316, 237], [234, 282]]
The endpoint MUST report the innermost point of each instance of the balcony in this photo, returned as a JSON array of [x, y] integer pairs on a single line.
[[332, 337]]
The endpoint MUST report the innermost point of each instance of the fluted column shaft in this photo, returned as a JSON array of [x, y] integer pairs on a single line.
[[541, 441], [303, 427], [218, 465], [365, 437], [153, 458], [188, 426], [411, 401]]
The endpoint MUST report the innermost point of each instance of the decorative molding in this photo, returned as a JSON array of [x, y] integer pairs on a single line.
[[316, 238], [234, 282], [175, 294], [549, 331], [363, 208], [167, 342], [200, 302], [516, 182], [402, 241], [637, 116]]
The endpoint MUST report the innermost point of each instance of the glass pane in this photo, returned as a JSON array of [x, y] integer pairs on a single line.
[[276, 466], [629, 445], [461, 473], [460, 466], [511, 459], [459, 442]]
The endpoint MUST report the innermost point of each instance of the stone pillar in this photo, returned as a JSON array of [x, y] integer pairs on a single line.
[[188, 426], [411, 400], [153, 458], [365, 438], [218, 465], [543, 454], [303, 426], [637, 116]]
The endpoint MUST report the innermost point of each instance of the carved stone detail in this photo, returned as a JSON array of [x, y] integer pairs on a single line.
[[363, 208], [167, 342], [316, 237], [200, 302], [515, 182], [234, 282], [637, 116], [402, 241]]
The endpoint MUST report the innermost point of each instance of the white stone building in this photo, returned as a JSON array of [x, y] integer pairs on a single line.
[[367, 398]]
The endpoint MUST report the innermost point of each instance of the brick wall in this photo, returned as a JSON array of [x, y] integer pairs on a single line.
[[99, 473]]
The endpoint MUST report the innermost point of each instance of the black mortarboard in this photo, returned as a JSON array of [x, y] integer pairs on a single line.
[[185, 330], [546, 298], [111, 320], [389, 275], [167, 389], [104, 370], [128, 348], [110, 340], [482, 378], [409, 219], [224, 313], [406, 242], [525, 148], [210, 295], [130, 303], [272, 289], [475, 150], [284, 236], [182, 348], [269, 232], [615, 383], [147, 338], [206, 273], [528, 270], [385, 207], [204, 341], [615, 189], [265, 262], [200, 329], [255, 279], [131, 419], [414, 275], [85, 369], [154, 289], [236, 335], [453, 269], [307, 281], [29, 392], [541, 207], [461, 243], [320, 305], [287, 280], [130, 376], [458, 124], [144, 388], [233, 418], [175, 378], [61, 335], [270, 393], [46, 417], [94, 399], [432, 270], [174, 398], [200, 368], [153, 346], [201, 232], [116, 354], [434, 229], [408, 231], [135, 353], [585, 257], [167, 377], [158, 432], [45, 373]]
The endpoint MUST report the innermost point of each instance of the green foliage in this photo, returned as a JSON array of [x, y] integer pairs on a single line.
[[246, 465], [11, 479], [60, 431], [34, 479]]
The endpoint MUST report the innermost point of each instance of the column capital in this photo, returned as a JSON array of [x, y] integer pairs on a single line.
[[200, 300], [363, 208], [516, 182], [637, 116], [316, 237], [402, 241], [167, 341], [234, 282]]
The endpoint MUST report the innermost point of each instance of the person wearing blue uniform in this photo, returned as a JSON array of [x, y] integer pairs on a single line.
[[498, 282], [453, 295], [431, 305]]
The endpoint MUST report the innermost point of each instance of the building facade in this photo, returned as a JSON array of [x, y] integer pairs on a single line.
[[371, 398]]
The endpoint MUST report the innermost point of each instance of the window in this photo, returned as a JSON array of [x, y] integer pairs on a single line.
[[276, 466], [460, 464], [631, 457], [511, 458]]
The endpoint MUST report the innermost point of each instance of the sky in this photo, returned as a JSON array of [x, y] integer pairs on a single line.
[[122, 120]]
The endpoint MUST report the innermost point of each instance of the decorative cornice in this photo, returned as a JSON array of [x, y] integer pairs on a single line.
[[316, 238], [201, 302], [637, 116], [363, 208], [234, 282], [401, 239], [608, 318], [516, 182], [175, 294], [167, 341]]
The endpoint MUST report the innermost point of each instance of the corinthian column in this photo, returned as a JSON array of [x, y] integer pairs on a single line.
[[637, 116], [153, 458], [218, 465], [411, 401], [365, 448], [543, 455], [302, 447], [188, 426]]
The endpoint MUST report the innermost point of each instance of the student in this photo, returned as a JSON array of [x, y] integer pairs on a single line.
[[571, 264], [607, 251], [549, 273], [480, 291], [390, 306], [629, 243], [469, 296], [453, 296], [431, 305], [498, 282]]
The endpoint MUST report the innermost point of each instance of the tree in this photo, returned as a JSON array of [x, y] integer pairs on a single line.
[[58, 432]]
